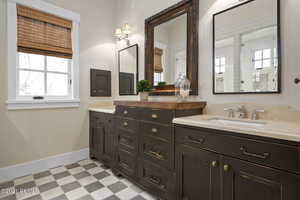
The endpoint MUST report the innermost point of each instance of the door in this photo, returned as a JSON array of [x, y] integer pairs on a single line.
[[198, 174], [242, 180]]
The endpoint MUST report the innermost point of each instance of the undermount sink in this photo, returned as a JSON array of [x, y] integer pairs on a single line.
[[237, 122]]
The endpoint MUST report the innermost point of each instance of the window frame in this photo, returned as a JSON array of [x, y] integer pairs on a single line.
[[219, 66], [272, 58], [14, 101], [45, 71]]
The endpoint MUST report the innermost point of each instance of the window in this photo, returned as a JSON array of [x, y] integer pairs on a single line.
[[43, 70], [43, 76], [220, 65], [158, 77], [265, 58]]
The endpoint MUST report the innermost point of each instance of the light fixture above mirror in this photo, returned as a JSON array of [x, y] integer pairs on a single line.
[[123, 33]]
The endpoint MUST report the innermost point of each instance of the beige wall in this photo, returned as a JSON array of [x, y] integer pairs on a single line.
[[35, 134], [135, 11]]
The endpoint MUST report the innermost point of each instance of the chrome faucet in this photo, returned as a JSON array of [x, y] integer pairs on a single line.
[[242, 112], [255, 115], [230, 112]]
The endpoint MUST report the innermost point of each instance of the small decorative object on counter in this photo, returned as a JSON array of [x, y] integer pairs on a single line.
[[185, 88], [143, 88], [182, 88], [177, 86]]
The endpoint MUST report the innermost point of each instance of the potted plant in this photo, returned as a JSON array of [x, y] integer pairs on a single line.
[[143, 88], [161, 85]]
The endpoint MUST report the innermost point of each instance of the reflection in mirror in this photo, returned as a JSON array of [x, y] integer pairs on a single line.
[[170, 41], [246, 49], [128, 70]]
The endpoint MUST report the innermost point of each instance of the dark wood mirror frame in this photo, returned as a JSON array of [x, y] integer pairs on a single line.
[[137, 67], [191, 8], [278, 47]]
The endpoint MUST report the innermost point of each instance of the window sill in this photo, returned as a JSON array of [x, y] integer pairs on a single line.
[[41, 104]]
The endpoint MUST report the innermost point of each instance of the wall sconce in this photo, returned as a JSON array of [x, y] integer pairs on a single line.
[[123, 33]]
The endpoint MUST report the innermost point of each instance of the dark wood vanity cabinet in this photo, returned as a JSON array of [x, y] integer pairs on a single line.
[[145, 143], [102, 137], [209, 167]]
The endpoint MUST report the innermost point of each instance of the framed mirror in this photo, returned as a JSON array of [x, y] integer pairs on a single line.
[[171, 48], [128, 70], [247, 53]]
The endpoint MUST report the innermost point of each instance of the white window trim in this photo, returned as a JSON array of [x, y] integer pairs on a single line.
[[13, 103]]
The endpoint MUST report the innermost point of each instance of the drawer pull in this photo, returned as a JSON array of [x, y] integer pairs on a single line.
[[214, 163], [226, 168], [154, 180], [125, 112], [263, 156], [154, 116], [125, 141], [194, 140], [125, 165], [156, 154], [154, 130], [125, 124]]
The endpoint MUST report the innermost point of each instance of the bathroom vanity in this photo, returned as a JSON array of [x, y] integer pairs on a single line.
[[137, 141], [213, 163], [174, 152]]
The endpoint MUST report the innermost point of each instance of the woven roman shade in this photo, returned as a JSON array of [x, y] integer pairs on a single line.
[[158, 60], [43, 33]]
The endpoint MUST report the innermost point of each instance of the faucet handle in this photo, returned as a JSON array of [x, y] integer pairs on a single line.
[[255, 113], [230, 112]]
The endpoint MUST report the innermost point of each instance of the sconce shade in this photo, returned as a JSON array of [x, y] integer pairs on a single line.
[[118, 32], [126, 29]]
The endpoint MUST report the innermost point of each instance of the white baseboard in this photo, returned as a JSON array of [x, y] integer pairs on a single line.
[[33, 167]]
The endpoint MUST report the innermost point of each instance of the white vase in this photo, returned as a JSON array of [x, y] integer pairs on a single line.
[[144, 96]]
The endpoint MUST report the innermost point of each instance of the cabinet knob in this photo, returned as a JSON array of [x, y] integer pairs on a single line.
[[125, 112], [154, 116], [226, 168], [214, 163], [125, 124], [154, 130]]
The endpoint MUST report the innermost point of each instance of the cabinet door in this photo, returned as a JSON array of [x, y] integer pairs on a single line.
[[98, 139], [100, 83], [242, 180], [108, 137], [198, 174]]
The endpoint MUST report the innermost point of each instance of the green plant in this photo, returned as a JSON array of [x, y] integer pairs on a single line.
[[161, 84], [143, 86]]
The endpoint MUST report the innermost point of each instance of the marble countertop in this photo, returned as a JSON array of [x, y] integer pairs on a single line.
[[272, 129], [103, 109]]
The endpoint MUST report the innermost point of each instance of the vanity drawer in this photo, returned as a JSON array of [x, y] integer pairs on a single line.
[[130, 112], [257, 151], [157, 115], [265, 153], [126, 162], [127, 124], [157, 179], [197, 138], [156, 151], [127, 141], [157, 131]]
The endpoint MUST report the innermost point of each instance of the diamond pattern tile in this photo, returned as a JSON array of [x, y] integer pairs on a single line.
[[85, 180]]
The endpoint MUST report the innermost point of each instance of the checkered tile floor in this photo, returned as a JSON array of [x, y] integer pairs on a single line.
[[85, 180]]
